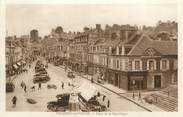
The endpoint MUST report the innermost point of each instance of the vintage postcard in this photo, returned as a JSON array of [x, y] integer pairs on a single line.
[[78, 58]]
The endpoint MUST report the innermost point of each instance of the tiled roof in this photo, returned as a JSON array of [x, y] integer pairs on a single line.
[[163, 47]]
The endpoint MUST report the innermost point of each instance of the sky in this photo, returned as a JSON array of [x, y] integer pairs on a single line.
[[21, 18]]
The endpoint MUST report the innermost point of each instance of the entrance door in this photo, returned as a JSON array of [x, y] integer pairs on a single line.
[[116, 79], [157, 81]]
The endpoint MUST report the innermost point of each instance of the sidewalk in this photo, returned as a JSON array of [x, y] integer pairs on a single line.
[[125, 94]]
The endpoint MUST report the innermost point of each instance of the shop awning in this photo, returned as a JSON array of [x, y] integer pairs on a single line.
[[19, 64], [87, 91], [15, 66]]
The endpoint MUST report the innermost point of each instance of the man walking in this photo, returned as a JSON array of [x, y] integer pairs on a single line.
[[92, 79], [103, 98], [62, 85], [108, 103], [14, 100], [39, 86], [25, 88], [22, 84]]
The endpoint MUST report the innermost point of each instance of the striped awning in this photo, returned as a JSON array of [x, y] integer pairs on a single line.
[[15, 66]]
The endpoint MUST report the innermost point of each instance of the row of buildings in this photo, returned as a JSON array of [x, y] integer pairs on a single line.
[[125, 56], [21, 50]]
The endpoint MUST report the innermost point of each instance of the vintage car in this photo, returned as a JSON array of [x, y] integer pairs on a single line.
[[70, 75], [51, 86], [10, 87], [31, 101], [40, 69], [41, 79], [62, 103]]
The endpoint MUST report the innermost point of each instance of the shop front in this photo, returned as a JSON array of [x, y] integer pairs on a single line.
[[137, 80]]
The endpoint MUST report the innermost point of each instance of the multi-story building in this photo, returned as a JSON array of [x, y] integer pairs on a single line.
[[148, 64], [80, 51], [14, 55]]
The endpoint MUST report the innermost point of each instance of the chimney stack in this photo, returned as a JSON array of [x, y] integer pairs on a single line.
[[124, 35]]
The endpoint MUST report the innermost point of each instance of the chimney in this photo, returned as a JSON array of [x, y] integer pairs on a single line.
[[124, 35]]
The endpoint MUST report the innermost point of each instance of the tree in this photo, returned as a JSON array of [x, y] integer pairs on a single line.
[[59, 30]]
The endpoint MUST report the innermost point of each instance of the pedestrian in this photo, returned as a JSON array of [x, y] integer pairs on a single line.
[[98, 94], [39, 86], [69, 84], [108, 103], [133, 95], [25, 89], [62, 85], [103, 98], [139, 95], [22, 83], [92, 79], [156, 99], [14, 101]]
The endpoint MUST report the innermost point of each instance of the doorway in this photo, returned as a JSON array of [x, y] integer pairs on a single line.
[[157, 81], [116, 79]]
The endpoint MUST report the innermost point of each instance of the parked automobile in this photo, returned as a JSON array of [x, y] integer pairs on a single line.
[[61, 104], [40, 69], [10, 87], [51, 86], [41, 79], [31, 101], [70, 75]]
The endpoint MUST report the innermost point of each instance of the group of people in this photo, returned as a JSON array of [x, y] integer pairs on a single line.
[[139, 95]]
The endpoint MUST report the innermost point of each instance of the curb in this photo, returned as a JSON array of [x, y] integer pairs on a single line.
[[119, 95], [115, 92]]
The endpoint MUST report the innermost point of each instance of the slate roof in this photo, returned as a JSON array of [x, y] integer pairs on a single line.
[[163, 47]]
